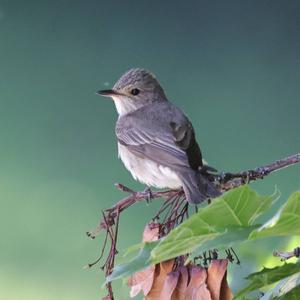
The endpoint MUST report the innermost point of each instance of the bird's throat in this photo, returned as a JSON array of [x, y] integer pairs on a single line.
[[124, 106]]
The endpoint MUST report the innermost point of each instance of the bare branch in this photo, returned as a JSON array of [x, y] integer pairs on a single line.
[[229, 180]]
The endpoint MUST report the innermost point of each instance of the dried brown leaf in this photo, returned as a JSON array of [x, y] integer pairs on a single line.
[[202, 293], [197, 289], [160, 274], [169, 285], [160, 282], [141, 281], [217, 282], [225, 292], [180, 290]]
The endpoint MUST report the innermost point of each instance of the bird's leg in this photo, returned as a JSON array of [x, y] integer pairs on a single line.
[[148, 194]]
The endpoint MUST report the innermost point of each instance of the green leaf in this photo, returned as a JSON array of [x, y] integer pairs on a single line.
[[282, 287], [268, 276], [141, 261], [285, 223], [226, 239], [132, 249], [293, 294], [237, 208]]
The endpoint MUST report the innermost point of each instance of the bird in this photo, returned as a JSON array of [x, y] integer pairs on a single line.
[[156, 140]]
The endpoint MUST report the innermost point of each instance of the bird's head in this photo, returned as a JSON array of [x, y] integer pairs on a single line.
[[135, 89]]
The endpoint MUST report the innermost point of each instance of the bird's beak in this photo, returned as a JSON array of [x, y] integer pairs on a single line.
[[107, 93]]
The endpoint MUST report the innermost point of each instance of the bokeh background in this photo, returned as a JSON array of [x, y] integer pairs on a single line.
[[233, 66]]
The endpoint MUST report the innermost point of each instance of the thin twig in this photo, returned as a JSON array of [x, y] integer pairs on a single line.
[[229, 180], [101, 254]]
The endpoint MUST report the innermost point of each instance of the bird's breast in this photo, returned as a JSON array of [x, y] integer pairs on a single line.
[[148, 171]]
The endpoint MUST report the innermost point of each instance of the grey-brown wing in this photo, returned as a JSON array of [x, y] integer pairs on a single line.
[[174, 147]]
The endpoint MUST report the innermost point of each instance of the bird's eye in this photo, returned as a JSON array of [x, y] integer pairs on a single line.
[[135, 92]]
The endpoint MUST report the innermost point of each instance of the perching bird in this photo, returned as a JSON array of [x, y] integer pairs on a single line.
[[156, 141]]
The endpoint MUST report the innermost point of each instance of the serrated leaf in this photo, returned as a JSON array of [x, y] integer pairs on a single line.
[[285, 223], [236, 208], [268, 276]]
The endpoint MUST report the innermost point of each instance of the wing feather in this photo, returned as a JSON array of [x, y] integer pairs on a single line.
[[162, 147]]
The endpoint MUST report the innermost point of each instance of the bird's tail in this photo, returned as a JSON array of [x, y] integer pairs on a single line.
[[197, 187]]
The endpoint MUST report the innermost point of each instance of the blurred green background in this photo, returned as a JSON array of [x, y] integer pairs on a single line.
[[233, 66]]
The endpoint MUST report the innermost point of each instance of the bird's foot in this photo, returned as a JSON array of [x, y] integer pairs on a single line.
[[148, 194]]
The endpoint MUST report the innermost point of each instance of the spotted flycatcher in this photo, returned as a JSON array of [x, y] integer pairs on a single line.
[[156, 141]]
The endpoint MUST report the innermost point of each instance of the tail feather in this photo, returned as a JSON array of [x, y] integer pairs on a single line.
[[197, 187]]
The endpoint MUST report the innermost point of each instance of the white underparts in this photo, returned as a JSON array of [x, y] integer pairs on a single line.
[[147, 171]]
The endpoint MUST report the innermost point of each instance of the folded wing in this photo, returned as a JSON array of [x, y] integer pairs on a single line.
[[174, 147]]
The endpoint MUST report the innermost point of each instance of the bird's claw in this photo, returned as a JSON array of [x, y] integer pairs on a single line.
[[148, 194]]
